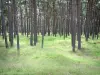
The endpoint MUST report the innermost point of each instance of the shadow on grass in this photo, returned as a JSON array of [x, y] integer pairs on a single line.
[[81, 52]]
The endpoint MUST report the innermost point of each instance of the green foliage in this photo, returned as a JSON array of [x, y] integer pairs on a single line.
[[56, 58]]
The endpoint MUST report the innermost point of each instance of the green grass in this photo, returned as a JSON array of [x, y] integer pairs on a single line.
[[56, 58]]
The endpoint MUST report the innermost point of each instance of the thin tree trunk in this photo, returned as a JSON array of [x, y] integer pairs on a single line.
[[35, 22], [78, 23]]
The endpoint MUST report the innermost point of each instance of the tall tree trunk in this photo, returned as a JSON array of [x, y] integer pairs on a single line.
[[73, 24], [78, 23], [10, 23], [16, 25], [21, 18], [35, 22], [87, 22], [31, 9], [3, 23]]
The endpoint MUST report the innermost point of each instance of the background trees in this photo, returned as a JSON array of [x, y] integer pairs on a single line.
[[52, 17]]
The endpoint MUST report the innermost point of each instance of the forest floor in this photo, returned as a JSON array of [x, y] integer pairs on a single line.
[[56, 58]]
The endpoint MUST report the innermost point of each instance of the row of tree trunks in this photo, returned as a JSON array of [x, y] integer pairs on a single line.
[[92, 25], [63, 17]]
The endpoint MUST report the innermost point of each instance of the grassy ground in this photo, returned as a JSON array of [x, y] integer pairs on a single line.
[[56, 58]]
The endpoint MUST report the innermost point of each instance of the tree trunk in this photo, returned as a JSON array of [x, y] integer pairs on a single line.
[[73, 24], [78, 23], [3, 23], [35, 22]]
